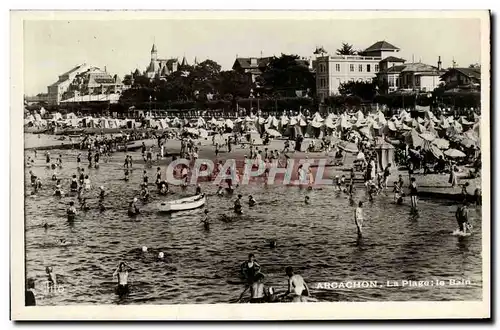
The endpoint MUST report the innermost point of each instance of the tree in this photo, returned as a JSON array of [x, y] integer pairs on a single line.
[[232, 84], [475, 66], [346, 49], [285, 75], [364, 90], [320, 51]]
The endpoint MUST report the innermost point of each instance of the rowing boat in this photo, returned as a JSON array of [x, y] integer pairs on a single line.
[[188, 203]]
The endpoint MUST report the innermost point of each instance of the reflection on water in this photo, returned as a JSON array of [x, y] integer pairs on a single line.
[[319, 240]]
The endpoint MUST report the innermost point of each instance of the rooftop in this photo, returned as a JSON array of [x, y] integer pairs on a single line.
[[393, 59], [469, 72], [246, 62], [381, 45]]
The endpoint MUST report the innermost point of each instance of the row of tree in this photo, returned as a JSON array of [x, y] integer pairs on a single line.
[[282, 77]]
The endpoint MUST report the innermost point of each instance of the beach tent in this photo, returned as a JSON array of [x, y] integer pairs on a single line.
[[385, 153], [413, 138], [359, 115], [284, 120], [56, 116], [229, 123], [162, 124]]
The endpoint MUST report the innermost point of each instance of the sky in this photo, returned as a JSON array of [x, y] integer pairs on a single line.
[[52, 47]]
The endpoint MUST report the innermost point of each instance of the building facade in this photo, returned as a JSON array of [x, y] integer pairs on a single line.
[[462, 78], [400, 76], [251, 66], [56, 90], [332, 71], [81, 81], [161, 68]]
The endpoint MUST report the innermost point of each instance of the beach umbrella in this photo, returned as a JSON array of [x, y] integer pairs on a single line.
[[213, 121], [435, 150], [273, 133], [428, 136], [238, 120], [348, 146], [229, 123], [454, 153], [442, 144]]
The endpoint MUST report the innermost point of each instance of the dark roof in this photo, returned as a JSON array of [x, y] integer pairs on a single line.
[[246, 62], [381, 45], [393, 59], [394, 69], [469, 72], [72, 70]]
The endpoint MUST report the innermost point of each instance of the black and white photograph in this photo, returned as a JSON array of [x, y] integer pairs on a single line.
[[286, 160]]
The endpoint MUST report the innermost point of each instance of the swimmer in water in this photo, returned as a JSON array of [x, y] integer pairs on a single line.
[[163, 188], [71, 211], [32, 178], [101, 206], [126, 175], [272, 244], [102, 192], [198, 190], [58, 191], [132, 209], [251, 201], [74, 184], [297, 287], [158, 175], [122, 273], [220, 191], [250, 268], [206, 221], [306, 200], [51, 278], [87, 183], [82, 176], [145, 192], [145, 177], [358, 219], [237, 205], [160, 257], [84, 205]]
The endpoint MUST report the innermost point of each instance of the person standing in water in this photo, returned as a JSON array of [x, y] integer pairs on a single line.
[[51, 278], [122, 273], [250, 268], [71, 211], [358, 219], [462, 216], [413, 194], [296, 285], [206, 221], [96, 159], [237, 205]]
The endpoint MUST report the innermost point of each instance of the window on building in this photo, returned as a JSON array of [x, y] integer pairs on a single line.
[[368, 68], [376, 67], [337, 67], [360, 68], [351, 67]]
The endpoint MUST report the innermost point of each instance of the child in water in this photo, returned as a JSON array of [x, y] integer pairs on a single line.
[[126, 175], [251, 201]]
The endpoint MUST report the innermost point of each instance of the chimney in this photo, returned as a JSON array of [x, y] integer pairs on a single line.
[[439, 63], [105, 69]]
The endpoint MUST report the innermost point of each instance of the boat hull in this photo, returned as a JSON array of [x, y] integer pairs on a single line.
[[184, 204]]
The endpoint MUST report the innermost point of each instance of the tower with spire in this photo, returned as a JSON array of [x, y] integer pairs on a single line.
[[160, 68], [154, 53]]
